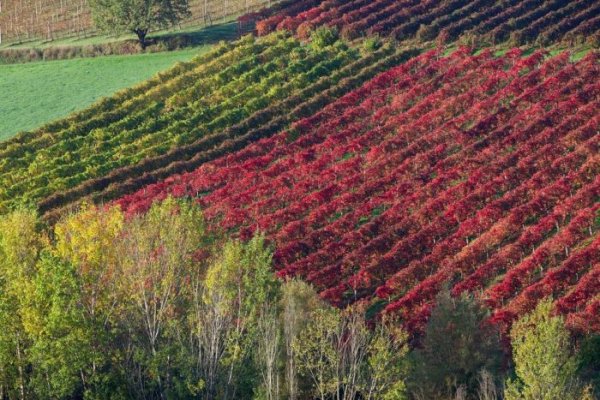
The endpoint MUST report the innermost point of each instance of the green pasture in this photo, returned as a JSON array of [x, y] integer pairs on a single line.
[[35, 93]]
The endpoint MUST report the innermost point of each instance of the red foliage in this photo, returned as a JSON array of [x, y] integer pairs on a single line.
[[442, 21], [456, 169]]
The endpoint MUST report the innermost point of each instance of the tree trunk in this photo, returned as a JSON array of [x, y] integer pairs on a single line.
[[141, 34], [20, 369]]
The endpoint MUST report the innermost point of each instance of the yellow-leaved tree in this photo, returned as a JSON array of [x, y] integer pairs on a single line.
[[88, 239], [544, 363], [20, 243], [156, 268]]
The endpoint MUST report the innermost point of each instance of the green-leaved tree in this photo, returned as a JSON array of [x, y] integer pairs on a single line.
[[137, 16], [544, 364], [458, 344], [20, 244]]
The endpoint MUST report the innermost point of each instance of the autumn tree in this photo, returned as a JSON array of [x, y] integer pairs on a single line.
[[138, 16], [156, 306], [268, 355], [545, 366], [371, 360], [238, 290], [80, 281], [71, 352], [21, 241], [298, 302], [315, 351], [155, 261], [88, 240], [387, 363], [344, 358]]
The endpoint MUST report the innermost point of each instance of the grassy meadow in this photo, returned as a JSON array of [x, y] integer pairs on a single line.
[[53, 89]]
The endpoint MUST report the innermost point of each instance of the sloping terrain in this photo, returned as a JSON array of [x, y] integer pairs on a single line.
[[470, 169], [194, 101], [35, 20], [310, 88], [476, 171], [193, 116], [482, 21], [368, 199]]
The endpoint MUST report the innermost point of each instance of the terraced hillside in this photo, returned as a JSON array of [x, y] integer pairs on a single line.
[[477, 171], [203, 104], [480, 21]]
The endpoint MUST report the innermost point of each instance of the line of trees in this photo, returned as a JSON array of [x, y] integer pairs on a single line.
[[158, 305]]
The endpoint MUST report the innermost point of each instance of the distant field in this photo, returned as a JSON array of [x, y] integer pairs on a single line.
[[224, 30], [36, 22], [35, 93]]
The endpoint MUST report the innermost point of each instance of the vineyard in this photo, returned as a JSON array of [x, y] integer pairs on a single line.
[[167, 119], [472, 169], [169, 113], [480, 21], [29, 20]]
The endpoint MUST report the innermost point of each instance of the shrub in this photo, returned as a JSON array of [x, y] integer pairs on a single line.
[[324, 36], [371, 44]]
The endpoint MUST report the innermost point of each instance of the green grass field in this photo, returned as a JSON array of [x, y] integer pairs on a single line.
[[35, 93]]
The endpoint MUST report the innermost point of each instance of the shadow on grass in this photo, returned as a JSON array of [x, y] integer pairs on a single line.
[[206, 35], [158, 42]]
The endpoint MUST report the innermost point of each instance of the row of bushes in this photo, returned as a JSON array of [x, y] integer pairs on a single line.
[[528, 21], [129, 101], [257, 120], [261, 124], [551, 19], [517, 23], [49, 148], [157, 135], [432, 30]]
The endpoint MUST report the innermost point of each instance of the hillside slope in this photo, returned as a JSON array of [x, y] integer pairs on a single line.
[[481, 21], [194, 101], [311, 85], [476, 171], [34, 20], [173, 128]]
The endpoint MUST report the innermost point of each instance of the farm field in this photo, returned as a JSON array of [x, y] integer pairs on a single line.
[[468, 169], [54, 89], [35, 23], [476, 22]]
